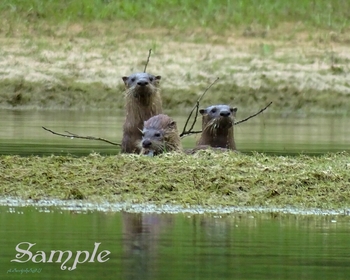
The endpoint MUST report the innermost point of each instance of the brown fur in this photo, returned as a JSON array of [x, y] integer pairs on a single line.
[[143, 100], [217, 127], [160, 135]]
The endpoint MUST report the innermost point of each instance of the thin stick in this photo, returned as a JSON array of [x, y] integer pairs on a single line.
[[149, 55], [184, 132], [252, 116], [187, 133], [72, 136]]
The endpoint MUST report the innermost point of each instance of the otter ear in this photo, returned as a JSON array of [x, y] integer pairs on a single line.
[[233, 111], [158, 77], [125, 79], [172, 124], [203, 111]]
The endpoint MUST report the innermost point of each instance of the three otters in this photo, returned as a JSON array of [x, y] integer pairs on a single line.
[[147, 131]]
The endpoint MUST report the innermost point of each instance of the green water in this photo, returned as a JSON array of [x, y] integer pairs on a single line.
[[181, 246], [21, 132]]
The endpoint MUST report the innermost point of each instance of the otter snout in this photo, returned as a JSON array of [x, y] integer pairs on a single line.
[[225, 113], [146, 143], [142, 83]]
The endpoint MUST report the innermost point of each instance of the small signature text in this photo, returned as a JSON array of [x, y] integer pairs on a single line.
[[24, 270]]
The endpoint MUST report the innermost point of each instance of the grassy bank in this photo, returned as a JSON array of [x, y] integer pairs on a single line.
[[211, 14], [207, 178], [87, 75], [72, 54], [74, 95]]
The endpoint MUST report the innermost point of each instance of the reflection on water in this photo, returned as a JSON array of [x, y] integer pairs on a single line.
[[21, 132], [142, 238], [181, 246]]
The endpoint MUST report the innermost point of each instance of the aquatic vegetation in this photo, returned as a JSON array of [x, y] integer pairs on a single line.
[[206, 178]]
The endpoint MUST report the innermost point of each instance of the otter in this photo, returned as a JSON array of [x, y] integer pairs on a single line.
[[160, 135], [217, 127], [143, 101]]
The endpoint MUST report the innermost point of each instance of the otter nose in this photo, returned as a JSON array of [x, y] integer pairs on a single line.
[[146, 143], [225, 113], [142, 83]]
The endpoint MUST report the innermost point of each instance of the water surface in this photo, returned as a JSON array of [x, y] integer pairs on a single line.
[[181, 246], [21, 132]]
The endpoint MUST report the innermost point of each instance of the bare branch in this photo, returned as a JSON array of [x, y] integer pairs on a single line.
[[195, 107], [72, 136], [149, 55], [188, 133], [252, 116]]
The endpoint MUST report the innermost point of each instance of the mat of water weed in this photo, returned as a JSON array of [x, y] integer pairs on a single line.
[[207, 178]]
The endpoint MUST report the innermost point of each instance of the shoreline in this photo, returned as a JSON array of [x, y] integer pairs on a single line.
[[83, 207]]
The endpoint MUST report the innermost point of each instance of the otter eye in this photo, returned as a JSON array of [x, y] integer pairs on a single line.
[[213, 110], [151, 79], [132, 80], [157, 134]]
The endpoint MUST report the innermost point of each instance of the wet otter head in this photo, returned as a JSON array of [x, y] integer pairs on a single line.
[[142, 101], [141, 86], [218, 116], [160, 135], [217, 126]]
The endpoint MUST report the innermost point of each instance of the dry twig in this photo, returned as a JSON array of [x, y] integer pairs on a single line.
[[73, 135], [252, 116], [149, 55], [195, 107]]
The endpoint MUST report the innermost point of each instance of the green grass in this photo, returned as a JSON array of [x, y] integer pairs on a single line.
[[212, 14], [207, 178]]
